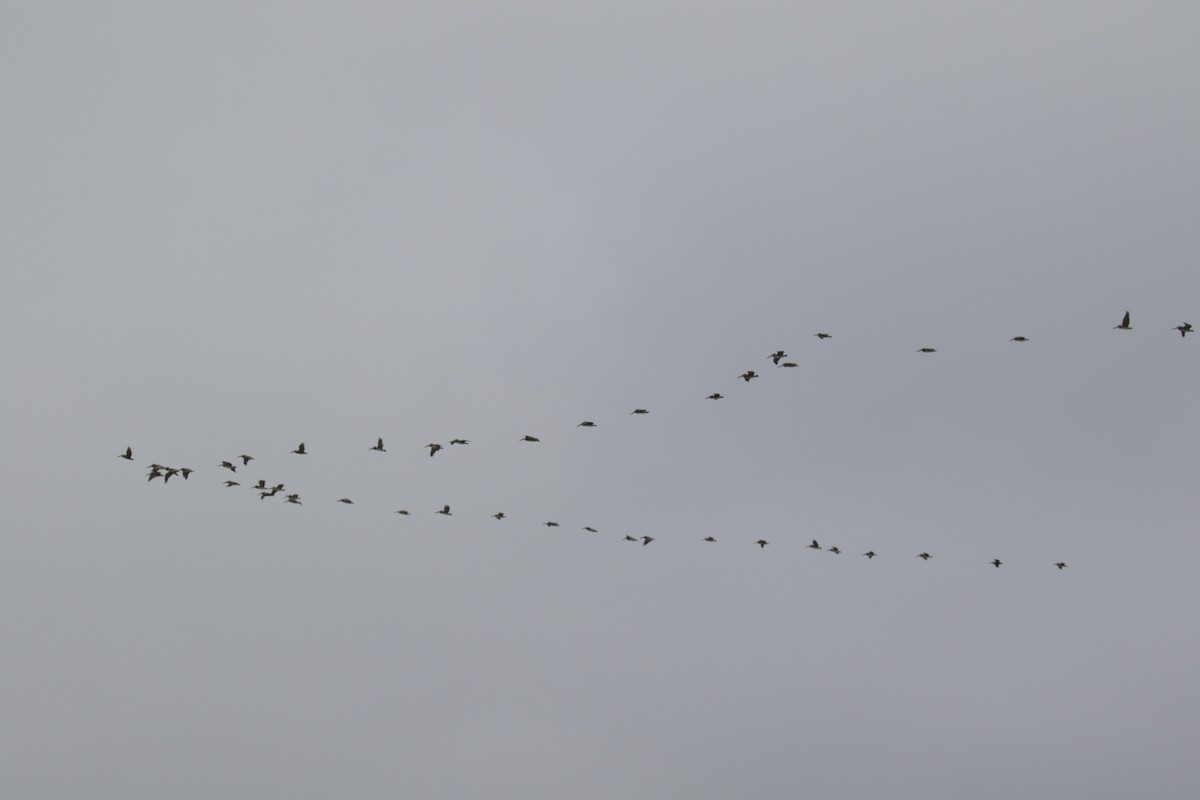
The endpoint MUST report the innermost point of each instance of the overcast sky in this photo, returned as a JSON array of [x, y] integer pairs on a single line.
[[232, 227]]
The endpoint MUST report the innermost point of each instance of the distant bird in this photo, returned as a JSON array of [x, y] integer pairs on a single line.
[[185, 471], [294, 499], [433, 448], [127, 455], [347, 501], [246, 460], [227, 465], [1061, 564], [262, 484], [748, 375], [924, 556], [762, 543], [550, 524], [837, 551], [499, 515], [154, 473], [709, 539], [715, 396], [232, 483], [647, 540], [1018, 339], [995, 562], [823, 335], [789, 364], [590, 529], [170, 471], [459, 441], [528, 438], [379, 446], [1183, 329], [445, 510], [869, 554], [403, 511], [927, 350], [629, 538], [1124, 326], [587, 423], [777, 356], [277, 487], [639, 411], [300, 451], [814, 545], [265, 495]]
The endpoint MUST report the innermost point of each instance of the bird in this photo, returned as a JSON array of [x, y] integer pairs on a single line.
[[227, 465], [647, 540], [550, 524], [246, 460], [499, 515], [715, 396], [433, 448], [459, 441], [170, 471], [528, 438], [748, 375], [154, 473], [127, 455], [924, 556], [347, 501], [262, 484], [639, 411], [1061, 564], [869, 554], [265, 495], [629, 538], [823, 335], [403, 511], [1183, 329], [379, 446], [277, 487], [587, 423], [995, 562], [445, 510], [1019, 339], [762, 543], [185, 471], [590, 529], [837, 551], [1124, 326], [927, 350], [709, 539], [777, 356], [294, 499], [232, 483], [789, 364], [300, 451], [814, 545]]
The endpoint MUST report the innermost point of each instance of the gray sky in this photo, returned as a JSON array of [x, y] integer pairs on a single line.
[[233, 227]]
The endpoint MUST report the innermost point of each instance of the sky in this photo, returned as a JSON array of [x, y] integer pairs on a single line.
[[233, 227]]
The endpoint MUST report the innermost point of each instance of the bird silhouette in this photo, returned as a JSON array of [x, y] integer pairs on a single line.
[[262, 484], [528, 438], [639, 411], [1183, 329], [300, 451], [185, 471], [433, 448], [748, 375], [347, 501], [924, 556], [1061, 564], [379, 446], [762, 543], [499, 515], [823, 335], [127, 455], [995, 562], [715, 396], [590, 529], [709, 539], [837, 551], [1018, 339], [629, 538], [1124, 326], [550, 524], [777, 356], [647, 540], [459, 441], [814, 545], [869, 554], [403, 511], [246, 460], [445, 510], [587, 423], [927, 350], [229, 466], [789, 364], [294, 499], [232, 483]]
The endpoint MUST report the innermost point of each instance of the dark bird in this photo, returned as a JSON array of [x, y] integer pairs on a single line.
[[499, 515], [639, 411], [433, 448], [823, 335], [262, 484], [232, 483], [246, 460], [1124, 326], [715, 396], [528, 438], [459, 441], [762, 543], [170, 471], [1061, 564], [550, 524], [924, 556], [869, 554], [590, 529], [445, 510], [587, 423], [777, 356], [347, 501], [1183, 329], [927, 350], [277, 487], [186, 471], [265, 495], [837, 551], [1018, 339], [995, 562], [227, 465], [294, 499], [300, 451], [403, 511], [127, 455], [629, 538], [814, 545], [748, 375], [709, 539], [789, 364], [647, 540], [154, 473], [379, 446]]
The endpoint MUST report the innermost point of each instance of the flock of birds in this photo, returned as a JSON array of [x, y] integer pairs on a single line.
[[165, 473]]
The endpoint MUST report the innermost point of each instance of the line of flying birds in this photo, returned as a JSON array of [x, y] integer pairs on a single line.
[[264, 490]]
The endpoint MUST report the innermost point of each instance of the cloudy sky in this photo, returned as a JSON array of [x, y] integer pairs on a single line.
[[233, 227]]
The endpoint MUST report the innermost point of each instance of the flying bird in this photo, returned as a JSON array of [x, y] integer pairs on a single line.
[[1183, 329], [1061, 564], [995, 562], [262, 484], [227, 465], [709, 539], [762, 543], [127, 455], [748, 375], [777, 356], [814, 545], [1019, 339], [1124, 326], [587, 423], [433, 448], [379, 446], [185, 471], [403, 511], [715, 396], [528, 438], [294, 499], [639, 411], [789, 364], [232, 483], [923, 556], [459, 441], [347, 501], [499, 515], [629, 538], [927, 350], [823, 335], [246, 460], [550, 524], [445, 510], [647, 540], [837, 551], [300, 451], [590, 529], [869, 554]]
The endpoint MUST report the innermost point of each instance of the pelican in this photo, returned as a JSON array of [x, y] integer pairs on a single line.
[[777, 356], [639, 411], [227, 465], [927, 350], [995, 562], [762, 543], [814, 545], [550, 524], [185, 471], [1124, 326], [709, 539], [403, 511], [587, 423], [923, 556], [347, 501], [262, 484], [246, 460], [748, 375], [1018, 339], [378, 446], [715, 396], [1061, 564], [528, 438], [590, 529], [647, 540], [499, 515], [170, 471], [232, 483], [459, 441], [789, 364], [294, 499], [823, 335], [127, 455], [1183, 329], [869, 554], [433, 448], [629, 538], [445, 510], [837, 551], [300, 451]]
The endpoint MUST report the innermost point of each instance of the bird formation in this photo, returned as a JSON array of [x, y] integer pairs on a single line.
[[777, 357]]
